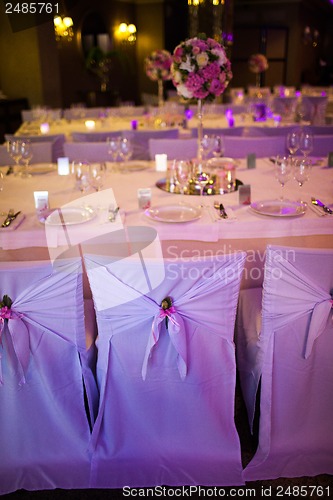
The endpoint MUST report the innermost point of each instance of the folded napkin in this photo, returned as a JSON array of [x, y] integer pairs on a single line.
[[14, 224]]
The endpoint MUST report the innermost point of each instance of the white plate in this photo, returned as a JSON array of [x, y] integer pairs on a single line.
[[69, 216], [174, 213], [133, 166], [42, 168], [279, 208]]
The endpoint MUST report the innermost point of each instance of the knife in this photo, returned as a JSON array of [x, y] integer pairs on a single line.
[[9, 219], [326, 209]]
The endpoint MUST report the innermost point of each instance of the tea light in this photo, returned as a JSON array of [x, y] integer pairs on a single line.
[[44, 128], [134, 124], [230, 118], [161, 162], [63, 166], [90, 124]]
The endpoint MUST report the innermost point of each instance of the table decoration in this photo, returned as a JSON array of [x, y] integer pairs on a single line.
[[258, 64], [200, 70], [157, 66]]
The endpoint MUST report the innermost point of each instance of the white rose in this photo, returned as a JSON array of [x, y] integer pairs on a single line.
[[184, 91], [186, 65], [202, 59], [221, 55]]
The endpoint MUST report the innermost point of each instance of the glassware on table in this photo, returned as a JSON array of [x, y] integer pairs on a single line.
[[1, 181], [293, 142], [97, 176], [183, 170], [301, 171], [212, 146], [26, 156], [81, 171], [283, 171], [199, 175], [306, 142], [125, 149], [14, 150]]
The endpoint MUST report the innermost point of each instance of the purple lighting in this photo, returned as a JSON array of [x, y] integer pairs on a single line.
[[188, 114]]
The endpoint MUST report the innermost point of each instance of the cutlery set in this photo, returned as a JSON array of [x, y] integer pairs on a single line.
[[11, 216], [319, 204]]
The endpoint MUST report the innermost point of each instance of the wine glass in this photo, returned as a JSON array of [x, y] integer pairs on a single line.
[[200, 177], [97, 176], [301, 170], [207, 146], [26, 156], [306, 142], [125, 149], [14, 150], [293, 142], [218, 146], [81, 170], [182, 170], [283, 171]]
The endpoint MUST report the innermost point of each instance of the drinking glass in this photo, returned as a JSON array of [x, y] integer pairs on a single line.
[[283, 171], [207, 146], [293, 142], [126, 149], [1, 181], [81, 170], [200, 177], [301, 170], [183, 171], [97, 176], [14, 150], [306, 142], [218, 146], [26, 156]]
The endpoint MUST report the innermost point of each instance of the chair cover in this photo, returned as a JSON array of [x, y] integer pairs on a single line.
[[238, 147], [238, 131], [44, 427], [293, 357], [140, 139], [57, 140], [82, 112], [166, 414], [284, 106], [313, 109], [89, 151], [185, 149], [94, 136], [322, 145]]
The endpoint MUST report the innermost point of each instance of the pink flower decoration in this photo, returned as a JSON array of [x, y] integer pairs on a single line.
[[158, 65]]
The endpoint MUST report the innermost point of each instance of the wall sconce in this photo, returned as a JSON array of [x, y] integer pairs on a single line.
[[63, 28], [126, 33]]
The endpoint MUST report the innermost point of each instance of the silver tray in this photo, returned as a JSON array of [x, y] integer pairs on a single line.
[[165, 185]]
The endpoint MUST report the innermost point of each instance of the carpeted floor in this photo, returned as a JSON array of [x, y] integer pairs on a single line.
[[315, 488]]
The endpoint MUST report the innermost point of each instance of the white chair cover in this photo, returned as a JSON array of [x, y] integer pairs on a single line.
[[322, 145], [140, 138], [284, 106], [94, 136], [166, 413], [44, 431], [238, 131], [82, 112], [89, 151], [314, 109], [41, 152], [185, 149], [238, 147], [293, 356]]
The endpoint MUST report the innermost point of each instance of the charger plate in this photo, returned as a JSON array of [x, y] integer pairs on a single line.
[[176, 213], [279, 208]]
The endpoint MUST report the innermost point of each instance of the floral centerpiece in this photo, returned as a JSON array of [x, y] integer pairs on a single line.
[[157, 66], [258, 64], [200, 70]]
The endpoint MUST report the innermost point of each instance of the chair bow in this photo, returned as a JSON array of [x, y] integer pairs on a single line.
[[176, 329], [19, 335]]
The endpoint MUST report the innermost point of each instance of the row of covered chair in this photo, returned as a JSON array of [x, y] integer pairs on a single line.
[[166, 369]]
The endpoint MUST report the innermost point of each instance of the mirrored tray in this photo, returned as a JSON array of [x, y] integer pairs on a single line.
[[194, 189]]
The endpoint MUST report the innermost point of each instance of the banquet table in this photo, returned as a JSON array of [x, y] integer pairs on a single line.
[[206, 234]]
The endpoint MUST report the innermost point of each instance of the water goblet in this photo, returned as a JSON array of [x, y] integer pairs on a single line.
[[182, 169], [81, 170], [97, 176], [301, 171], [293, 142], [26, 156], [200, 177], [218, 146], [207, 146], [306, 142], [126, 149], [283, 171], [14, 150]]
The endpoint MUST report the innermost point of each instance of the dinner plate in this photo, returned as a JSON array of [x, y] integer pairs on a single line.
[[69, 216], [132, 166], [42, 168], [174, 213], [279, 208]]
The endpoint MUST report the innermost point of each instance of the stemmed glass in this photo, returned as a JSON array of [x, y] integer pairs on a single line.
[[114, 151], [212, 145], [301, 170], [14, 150], [293, 142], [200, 176], [306, 142], [125, 149], [218, 146], [97, 176], [182, 170], [81, 170], [283, 171], [26, 156]]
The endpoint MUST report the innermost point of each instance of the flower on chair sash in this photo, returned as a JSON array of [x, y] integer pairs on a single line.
[[5, 311]]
